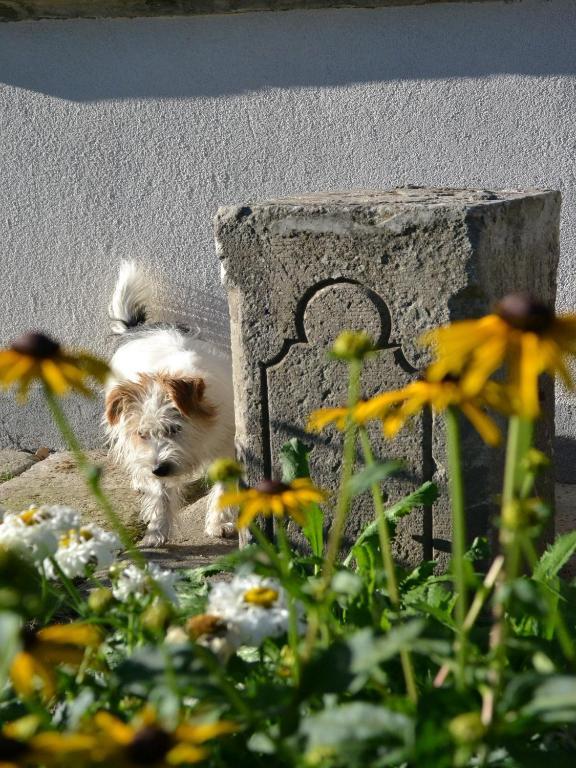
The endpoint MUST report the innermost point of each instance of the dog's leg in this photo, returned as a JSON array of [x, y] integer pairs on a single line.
[[220, 523], [159, 504]]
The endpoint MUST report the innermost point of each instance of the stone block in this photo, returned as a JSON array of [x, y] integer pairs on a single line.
[[300, 270]]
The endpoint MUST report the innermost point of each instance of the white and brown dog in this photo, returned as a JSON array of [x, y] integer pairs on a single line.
[[169, 409]]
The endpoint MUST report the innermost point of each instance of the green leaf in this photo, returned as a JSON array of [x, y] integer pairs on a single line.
[[9, 641], [355, 722], [313, 529], [554, 701], [293, 459], [555, 557], [369, 651], [424, 496], [373, 474]]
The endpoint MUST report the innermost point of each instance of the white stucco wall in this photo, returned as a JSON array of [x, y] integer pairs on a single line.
[[120, 138]]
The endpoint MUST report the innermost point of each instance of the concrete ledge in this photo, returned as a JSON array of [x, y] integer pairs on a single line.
[[22, 10]]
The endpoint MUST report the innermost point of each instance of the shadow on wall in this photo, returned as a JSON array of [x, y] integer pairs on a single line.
[[215, 55]]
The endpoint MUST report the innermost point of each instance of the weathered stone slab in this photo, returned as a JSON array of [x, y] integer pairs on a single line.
[[299, 270], [13, 463]]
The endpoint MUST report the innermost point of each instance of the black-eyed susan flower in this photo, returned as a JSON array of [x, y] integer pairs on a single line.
[[522, 333], [36, 357], [32, 668], [145, 741], [271, 497], [395, 408], [22, 743]]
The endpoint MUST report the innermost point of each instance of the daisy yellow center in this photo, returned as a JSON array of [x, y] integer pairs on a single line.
[[265, 597], [74, 535], [29, 516]]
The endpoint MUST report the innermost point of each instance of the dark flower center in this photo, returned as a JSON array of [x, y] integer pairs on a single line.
[[36, 345], [273, 487], [10, 749], [149, 745], [522, 311]]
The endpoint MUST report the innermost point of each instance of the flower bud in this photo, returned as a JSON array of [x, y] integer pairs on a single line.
[[467, 728], [535, 461], [157, 616], [352, 345], [224, 471], [100, 599], [520, 515]]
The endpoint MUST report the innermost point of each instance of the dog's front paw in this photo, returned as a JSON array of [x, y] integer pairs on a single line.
[[153, 539]]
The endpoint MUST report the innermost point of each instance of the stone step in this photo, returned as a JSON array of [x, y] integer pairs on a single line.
[[56, 480], [13, 463]]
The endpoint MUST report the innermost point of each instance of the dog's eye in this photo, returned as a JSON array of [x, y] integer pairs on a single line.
[[143, 435], [174, 429]]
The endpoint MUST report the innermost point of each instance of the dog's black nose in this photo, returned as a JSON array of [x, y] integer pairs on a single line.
[[161, 470]]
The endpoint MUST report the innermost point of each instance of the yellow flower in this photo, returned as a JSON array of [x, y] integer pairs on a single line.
[[145, 741], [33, 667], [319, 420], [524, 334], [395, 408], [21, 744], [35, 356], [271, 497]]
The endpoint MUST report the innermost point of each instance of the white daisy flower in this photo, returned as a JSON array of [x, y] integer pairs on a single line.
[[83, 550], [35, 532], [253, 606], [132, 582]]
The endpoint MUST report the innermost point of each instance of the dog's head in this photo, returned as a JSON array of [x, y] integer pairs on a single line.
[[158, 423]]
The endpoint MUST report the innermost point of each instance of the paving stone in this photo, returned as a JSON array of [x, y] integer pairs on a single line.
[[13, 463], [56, 480], [300, 270]]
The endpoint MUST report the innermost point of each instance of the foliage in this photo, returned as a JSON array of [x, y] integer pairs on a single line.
[[272, 656]]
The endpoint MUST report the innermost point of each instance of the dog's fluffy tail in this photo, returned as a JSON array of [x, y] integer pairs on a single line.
[[130, 300]]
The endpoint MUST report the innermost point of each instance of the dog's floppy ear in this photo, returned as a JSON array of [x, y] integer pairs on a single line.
[[188, 396], [117, 399]]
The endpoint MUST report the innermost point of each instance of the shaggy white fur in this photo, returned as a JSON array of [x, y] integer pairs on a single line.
[[169, 409]]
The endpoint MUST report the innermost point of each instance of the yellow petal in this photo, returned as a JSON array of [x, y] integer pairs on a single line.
[[85, 635], [182, 754], [529, 372], [21, 368], [118, 731], [53, 743], [198, 734], [482, 423], [320, 419], [53, 377], [28, 674]]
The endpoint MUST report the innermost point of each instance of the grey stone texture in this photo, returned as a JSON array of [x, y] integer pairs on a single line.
[[13, 463], [56, 480], [300, 270], [20, 10]]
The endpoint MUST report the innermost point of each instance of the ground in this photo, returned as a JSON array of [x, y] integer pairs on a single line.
[[25, 480]]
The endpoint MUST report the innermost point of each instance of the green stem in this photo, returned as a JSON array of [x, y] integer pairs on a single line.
[[214, 666], [293, 636], [458, 535], [73, 593], [266, 547], [343, 504], [92, 477], [388, 562], [520, 432]]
